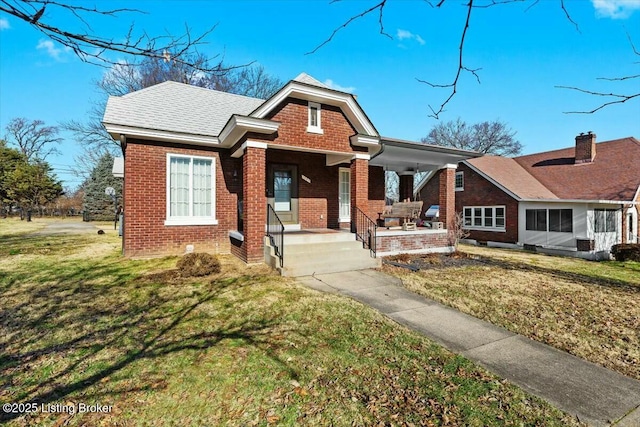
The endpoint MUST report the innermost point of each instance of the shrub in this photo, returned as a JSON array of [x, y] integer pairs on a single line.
[[198, 264], [626, 252]]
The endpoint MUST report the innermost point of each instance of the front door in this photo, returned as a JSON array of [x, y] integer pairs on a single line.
[[282, 191]]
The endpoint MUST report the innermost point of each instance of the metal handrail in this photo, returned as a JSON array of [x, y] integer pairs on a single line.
[[275, 233], [365, 229]]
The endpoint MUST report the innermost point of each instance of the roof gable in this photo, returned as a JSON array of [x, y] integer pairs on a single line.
[[614, 174], [307, 88], [509, 176]]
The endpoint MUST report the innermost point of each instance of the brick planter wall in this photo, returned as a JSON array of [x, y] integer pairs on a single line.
[[420, 241]]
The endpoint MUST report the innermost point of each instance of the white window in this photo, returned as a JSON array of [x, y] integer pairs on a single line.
[[459, 181], [606, 221], [315, 123], [190, 190], [484, 217]]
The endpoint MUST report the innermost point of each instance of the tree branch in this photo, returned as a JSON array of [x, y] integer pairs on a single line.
[[454, 85], [90, 48], [379, 6], [621, 99]]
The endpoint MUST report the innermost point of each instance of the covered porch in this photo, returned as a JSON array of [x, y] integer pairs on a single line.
[[287, 239]]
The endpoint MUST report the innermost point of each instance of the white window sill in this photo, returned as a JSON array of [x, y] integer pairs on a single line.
[[346, 219], [315, 129], [460, 189], [476, 228], [190, 221]]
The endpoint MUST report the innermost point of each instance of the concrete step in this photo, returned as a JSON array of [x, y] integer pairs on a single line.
[[311, 237], [300, 249], [303, 259]]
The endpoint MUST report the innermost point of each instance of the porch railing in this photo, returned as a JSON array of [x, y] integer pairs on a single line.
[[365, 229], [275, 233]]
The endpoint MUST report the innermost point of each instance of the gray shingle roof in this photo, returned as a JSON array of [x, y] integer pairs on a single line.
[[178, 107], [306, 78]]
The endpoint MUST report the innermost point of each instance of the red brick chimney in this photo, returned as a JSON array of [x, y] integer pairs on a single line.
[[585, 147]]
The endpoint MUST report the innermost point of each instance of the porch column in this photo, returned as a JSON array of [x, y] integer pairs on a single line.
[[447, 195], [359, 185], [254, 200], [406, 185]]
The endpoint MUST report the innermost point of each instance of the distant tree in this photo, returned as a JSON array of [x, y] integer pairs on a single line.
[[32, 138], [485, 137], [125, 78], [32, 185], [9, 160], [99, 205], [69, 203]]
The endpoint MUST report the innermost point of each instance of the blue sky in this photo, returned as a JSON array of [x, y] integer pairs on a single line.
[[523, 54]]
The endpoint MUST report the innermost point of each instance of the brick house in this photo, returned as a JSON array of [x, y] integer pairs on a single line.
[[579, 200], [203, 168]]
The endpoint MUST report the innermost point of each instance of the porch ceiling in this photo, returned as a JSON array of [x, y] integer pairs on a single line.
[[405, 156]]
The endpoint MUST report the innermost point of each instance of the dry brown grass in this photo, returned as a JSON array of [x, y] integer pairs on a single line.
[[240, 347], [591, 310]]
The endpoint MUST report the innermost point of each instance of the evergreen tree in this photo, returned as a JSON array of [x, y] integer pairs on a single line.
[[32, 185], [96, 203]]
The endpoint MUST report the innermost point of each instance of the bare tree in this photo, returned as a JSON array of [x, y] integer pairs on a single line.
[[485, 137], [90, 47], [35, 140], [470, 6], [127, 77]]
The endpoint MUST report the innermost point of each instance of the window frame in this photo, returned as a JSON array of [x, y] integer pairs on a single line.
[[473, 222], [609, 216], [317, 128], [537, 217], [561, 226], [190, 219], [461, 176]]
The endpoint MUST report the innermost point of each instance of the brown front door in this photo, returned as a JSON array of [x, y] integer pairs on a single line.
[[282, 191]]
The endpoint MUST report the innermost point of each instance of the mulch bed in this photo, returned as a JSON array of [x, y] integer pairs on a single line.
[[416, 262]]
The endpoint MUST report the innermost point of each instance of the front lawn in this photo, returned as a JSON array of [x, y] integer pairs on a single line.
[[80, 324], [589, 309]]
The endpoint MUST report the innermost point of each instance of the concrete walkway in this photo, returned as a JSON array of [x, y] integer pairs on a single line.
[[596, 395]]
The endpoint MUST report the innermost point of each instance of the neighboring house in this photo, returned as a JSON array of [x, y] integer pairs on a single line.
[[203, 168], [579, 200]]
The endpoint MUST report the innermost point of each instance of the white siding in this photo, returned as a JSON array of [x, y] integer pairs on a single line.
[[583, 226]]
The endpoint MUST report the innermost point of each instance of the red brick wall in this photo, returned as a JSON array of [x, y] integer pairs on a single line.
[[293, 116], [254, 203], [406, 187], [585, 148], [447, 197], [145, 198], [376, 191], [400, 242], [478, 192], [318, 199], [145, 186], [359, 187]]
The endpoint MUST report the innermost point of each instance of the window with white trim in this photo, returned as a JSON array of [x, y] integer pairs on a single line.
[[554, 220], [315, 123], [605, 220], [484, 217], [459, 181], [190, 190]]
